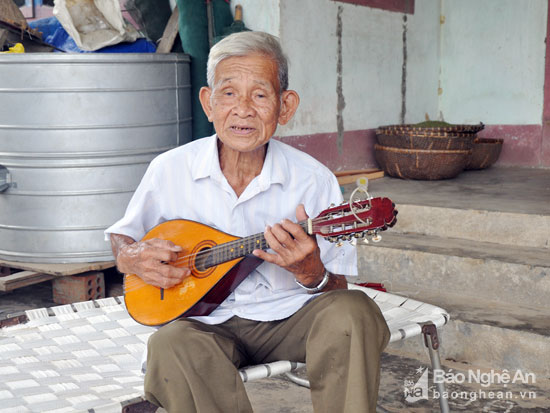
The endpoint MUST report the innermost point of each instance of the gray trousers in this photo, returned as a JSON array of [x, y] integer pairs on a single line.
[[193, 367]]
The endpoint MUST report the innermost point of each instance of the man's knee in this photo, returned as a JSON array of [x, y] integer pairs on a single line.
[[350, 309], [349, 303]]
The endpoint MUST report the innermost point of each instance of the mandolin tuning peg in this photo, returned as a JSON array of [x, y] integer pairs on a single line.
[[376, 238], [365, 240], [339, 244], [353, 242]]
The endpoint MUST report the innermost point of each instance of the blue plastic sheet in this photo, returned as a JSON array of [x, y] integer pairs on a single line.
[[54, 34]]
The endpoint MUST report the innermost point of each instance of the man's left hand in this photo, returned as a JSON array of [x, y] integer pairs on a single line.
[[295, 251]]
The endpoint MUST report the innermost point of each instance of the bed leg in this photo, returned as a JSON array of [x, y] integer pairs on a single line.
[[431, 340]]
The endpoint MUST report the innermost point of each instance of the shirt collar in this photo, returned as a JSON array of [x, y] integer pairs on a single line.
[[274, 170], [207, 164]]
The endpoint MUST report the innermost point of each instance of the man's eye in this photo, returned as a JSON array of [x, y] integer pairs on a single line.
[[228, 93]]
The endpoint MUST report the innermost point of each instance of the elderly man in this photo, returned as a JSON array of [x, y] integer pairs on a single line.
[[295, 305]]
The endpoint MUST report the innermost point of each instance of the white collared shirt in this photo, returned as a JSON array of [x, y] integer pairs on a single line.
[[187, 183]]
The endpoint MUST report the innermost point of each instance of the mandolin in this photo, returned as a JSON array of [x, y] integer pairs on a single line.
[[219, 261]]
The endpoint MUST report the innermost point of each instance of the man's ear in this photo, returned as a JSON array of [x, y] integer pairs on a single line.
[[289, 103], [204, 96]]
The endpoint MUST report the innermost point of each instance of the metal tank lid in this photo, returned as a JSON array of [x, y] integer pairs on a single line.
[[19, 58]]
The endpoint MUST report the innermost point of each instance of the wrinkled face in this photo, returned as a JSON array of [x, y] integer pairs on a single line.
[[245, 105]]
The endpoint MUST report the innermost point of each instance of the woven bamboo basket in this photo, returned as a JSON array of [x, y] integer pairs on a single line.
[[485, 152], [421, 164], [415, 129], [443, 140]]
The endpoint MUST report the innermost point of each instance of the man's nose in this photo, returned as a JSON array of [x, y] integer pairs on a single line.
[[244, 106]]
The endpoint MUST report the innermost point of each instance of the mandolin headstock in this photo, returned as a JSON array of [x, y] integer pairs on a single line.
[[355, 219]]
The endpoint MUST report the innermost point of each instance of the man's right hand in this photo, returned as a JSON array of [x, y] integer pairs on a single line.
[[152, 260]]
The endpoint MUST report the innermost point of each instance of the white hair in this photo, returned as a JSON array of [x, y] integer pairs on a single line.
[[244, 44]]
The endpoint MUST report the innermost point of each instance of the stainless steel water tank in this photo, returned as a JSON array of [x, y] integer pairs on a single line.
[[76, 135]]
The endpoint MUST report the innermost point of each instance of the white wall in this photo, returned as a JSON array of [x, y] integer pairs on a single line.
[[423, 46], [492, 61], [486, 59], [262, 15], [308, 35], [372, 67], [372, 61]]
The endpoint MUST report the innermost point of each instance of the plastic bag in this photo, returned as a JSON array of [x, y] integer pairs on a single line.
[[94, 24], [17, 48], [53, 33]]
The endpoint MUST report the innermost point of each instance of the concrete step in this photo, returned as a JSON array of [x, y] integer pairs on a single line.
[[497, 205], [488, 271], [490, 334], [514, 190], [527, 230], [478, 246]]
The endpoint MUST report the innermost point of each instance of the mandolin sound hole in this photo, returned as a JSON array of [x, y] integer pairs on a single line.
[[204, 260]]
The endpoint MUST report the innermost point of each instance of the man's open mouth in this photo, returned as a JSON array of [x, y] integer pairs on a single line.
[[241, 129]]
